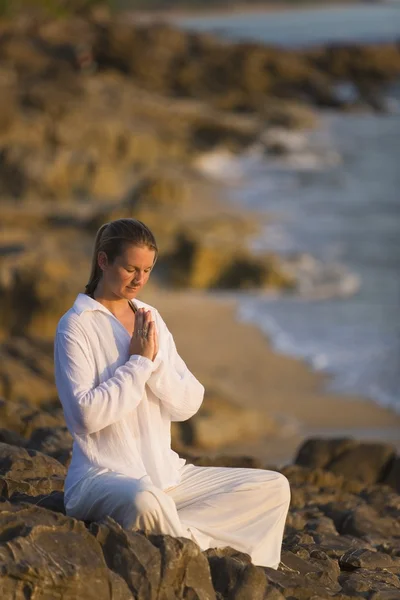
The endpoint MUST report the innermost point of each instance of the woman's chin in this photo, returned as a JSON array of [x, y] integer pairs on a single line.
[[132, 291]]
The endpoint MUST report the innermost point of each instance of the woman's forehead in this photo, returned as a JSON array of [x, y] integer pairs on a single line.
[[138, 254]]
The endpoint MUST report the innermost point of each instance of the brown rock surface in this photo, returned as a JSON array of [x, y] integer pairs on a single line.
[[219, 423], [45, 554], [366, 462]]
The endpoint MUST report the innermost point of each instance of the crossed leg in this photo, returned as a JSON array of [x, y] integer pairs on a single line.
[[214, 506]]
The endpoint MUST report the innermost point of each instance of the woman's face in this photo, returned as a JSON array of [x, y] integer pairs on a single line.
[[130, 271]]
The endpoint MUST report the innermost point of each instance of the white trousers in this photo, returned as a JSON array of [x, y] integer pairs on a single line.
[[214, 506]]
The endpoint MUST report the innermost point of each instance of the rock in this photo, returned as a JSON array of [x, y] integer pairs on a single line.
[[205, 430], [205, 261], [49, 555], [281, 141], [367, 462], [320, 478], [159, 191], [392, 477], [53, 501], [20, 463], [184, 568], [131, 556], [383, 499], [18, 382], [11, 437], [365, 522], [364, 582], [336, 546], [33, 303], [154, 566], [29, 472], [235, 578], [21, 418], [293, 585], [53, 441], [362, 558]]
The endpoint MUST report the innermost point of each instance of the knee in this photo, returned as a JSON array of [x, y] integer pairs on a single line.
[[148, 511], [146, 504], [283, 489]]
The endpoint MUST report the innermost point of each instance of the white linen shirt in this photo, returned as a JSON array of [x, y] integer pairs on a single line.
[[118, 408]]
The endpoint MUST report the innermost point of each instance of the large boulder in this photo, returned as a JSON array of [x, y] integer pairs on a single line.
[[52, 441], [367, 462], [202, 259], [155, 566], [22, 418], [47, 555], [219, 423], [29, 472]]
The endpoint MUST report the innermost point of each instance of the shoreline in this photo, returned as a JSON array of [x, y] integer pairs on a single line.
[[238, 9], [282, 388]]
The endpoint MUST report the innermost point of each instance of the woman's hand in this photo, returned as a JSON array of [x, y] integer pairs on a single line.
[[143, 340], [156, 346]]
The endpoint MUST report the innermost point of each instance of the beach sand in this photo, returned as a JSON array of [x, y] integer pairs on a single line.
[[236, 359]]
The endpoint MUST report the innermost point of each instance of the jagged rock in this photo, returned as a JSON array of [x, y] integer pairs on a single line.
[[22, 418], [31, 486], [235, 578], [365, 522], [336, 546], [362, 558], [53, 501], [293, 585], [204, 429], [393, 475], [12, 438], [204, 261], [184, 568], [47, 555], [364, 582], [53, 441], [367, 462], [18, 382], [155, 566], [315, 477], [383, 499], [29, 472], [20, 463]]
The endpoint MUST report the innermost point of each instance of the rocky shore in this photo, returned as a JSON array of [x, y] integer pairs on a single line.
[[101, 119], [341, 539]]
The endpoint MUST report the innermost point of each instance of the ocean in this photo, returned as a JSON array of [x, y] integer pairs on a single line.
[[338, 199]]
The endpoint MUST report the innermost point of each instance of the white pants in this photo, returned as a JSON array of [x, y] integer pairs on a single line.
[[214, 506]]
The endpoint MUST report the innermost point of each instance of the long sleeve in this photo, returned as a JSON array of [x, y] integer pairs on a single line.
[[172, 382], [87, 408]]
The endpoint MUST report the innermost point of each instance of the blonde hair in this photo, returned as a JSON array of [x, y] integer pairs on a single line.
[[111, 238]]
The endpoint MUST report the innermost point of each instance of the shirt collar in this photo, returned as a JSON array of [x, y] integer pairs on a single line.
[[84, 303]]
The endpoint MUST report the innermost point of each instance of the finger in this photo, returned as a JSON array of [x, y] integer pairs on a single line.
[[150, 331], [139, 322]]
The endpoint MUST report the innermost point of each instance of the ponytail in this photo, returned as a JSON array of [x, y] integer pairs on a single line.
[[110, 239], [95, 273]]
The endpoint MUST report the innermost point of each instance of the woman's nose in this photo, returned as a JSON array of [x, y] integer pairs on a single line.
[[138, 278]]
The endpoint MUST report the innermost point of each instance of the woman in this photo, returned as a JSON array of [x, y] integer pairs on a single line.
[[121, 382]]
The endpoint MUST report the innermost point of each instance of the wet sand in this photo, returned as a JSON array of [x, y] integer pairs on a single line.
[[236, 359]]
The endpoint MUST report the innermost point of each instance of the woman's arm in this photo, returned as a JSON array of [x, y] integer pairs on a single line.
[[88, 408], [172, 382]]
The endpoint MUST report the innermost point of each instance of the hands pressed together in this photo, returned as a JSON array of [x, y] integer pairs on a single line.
[[144, 340]]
